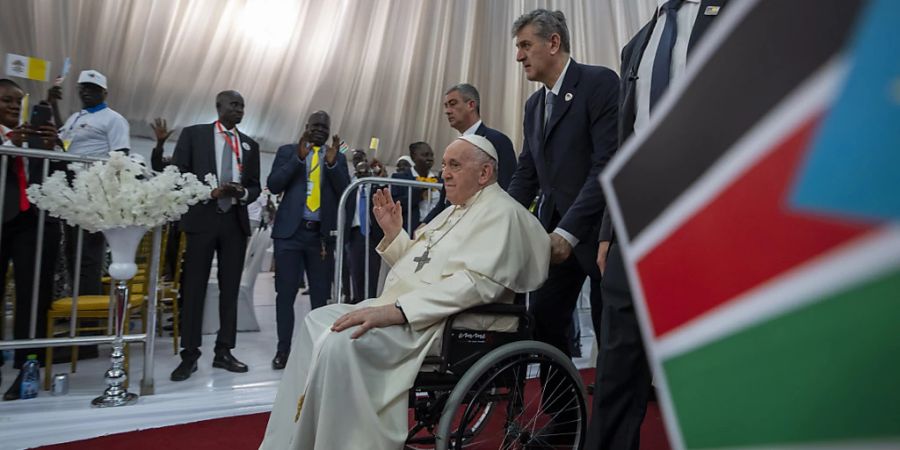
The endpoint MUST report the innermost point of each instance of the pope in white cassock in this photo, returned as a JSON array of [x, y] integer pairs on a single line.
[[351, 366]]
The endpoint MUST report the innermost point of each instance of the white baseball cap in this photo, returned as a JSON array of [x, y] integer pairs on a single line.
[[93, 77]]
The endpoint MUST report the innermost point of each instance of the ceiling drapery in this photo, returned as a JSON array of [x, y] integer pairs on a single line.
[[379, 67]]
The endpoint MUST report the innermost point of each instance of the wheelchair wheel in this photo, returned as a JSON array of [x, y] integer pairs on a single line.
[[422, 437], [537, 400]]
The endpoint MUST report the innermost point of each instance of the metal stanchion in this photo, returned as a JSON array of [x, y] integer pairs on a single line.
[[115, 393], [147, 387]]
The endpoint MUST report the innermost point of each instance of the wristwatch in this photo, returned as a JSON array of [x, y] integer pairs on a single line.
[[397, 305]]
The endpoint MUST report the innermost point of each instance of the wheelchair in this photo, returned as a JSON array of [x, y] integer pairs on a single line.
[[497, 390]]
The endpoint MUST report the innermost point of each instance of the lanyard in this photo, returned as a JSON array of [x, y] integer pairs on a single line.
[[233, 144]]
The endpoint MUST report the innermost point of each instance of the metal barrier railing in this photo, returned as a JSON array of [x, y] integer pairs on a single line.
[[366, 183], [147, 337]]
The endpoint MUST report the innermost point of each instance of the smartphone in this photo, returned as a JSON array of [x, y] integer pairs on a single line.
[[41, 115]]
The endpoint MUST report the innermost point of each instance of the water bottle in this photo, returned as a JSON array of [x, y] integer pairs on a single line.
[[31, 378]]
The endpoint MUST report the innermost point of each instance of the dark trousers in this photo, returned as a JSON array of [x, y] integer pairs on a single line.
[[18, 244], [302, 250], [93, 252], [554, 303], [172, 243], [622, 385], [226, 239], [357, 261]]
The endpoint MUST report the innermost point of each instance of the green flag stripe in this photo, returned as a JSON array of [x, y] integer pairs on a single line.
[[827, 372]]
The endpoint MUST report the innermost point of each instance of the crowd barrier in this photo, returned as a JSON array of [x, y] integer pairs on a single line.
[[366, 184], [114, 328]]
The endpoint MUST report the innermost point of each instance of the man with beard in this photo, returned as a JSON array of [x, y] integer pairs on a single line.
[[312, 177], [220, 225]]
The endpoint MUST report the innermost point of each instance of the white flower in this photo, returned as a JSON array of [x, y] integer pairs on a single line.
[[119, 192]]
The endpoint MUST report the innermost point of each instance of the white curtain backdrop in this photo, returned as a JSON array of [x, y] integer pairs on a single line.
[[379, 67]]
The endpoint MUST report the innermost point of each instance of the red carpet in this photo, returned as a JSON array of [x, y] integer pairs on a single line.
[[245, 433]]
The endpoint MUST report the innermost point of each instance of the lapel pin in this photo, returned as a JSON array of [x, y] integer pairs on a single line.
[[711, 11], [245, 145], [569, 96]]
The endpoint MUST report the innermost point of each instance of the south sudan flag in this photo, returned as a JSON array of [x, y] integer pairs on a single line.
[[760, 220]]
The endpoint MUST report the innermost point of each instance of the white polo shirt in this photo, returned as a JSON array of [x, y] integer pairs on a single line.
[[95, 133]]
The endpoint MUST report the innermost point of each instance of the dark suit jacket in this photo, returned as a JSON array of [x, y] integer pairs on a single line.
[[195, 153], [35, 168], [506, 156], [400, 193], [564, 162], [11, 196], [288, 175], [632, 54]]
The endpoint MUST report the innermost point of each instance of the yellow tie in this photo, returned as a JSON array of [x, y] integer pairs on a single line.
[[313, 197]]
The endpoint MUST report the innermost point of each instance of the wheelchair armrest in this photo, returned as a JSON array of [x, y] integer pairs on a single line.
[[496, 309]]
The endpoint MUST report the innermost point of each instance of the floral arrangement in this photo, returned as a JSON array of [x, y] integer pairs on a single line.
[[119, 192]]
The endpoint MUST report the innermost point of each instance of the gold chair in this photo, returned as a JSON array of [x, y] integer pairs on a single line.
[[91, 307], [168, 294], [95, 307]]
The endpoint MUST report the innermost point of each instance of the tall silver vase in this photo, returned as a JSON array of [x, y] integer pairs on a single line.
[[123, 244]]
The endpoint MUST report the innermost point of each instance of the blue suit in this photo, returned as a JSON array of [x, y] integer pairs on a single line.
[[302, 244], [563, 164]]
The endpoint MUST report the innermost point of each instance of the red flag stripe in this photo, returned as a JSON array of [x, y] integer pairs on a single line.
[[742, 238]]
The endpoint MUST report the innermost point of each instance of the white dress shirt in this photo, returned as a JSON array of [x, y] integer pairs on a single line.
[[221, 145], [471, 130], [686, 17]]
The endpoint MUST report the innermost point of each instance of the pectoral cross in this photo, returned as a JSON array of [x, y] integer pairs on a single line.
[[422, 260]]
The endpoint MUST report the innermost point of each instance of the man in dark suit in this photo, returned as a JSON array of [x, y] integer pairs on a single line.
[[20, 222], [312, 177], [219, 226], [462, 105], [424, 204], [654, 56], [570, 134]]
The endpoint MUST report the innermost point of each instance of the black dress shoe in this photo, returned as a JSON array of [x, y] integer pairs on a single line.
[[184, 370], [225, 360], [15, 390], [280, 360]]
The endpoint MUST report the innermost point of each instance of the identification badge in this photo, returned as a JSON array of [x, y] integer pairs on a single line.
[[245, 145]]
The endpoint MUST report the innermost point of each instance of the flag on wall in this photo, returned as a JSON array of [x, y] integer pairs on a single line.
[[764, 256], [27, 67]]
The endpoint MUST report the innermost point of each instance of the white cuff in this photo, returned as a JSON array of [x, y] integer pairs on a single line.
[[572, 240]]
